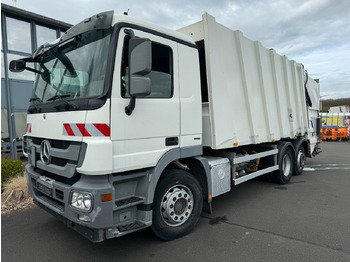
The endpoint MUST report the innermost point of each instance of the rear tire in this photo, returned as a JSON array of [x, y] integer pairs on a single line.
[[300, 159], [286, 166], [177, 204]]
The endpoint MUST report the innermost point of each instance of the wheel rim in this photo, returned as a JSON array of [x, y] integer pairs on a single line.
[[301, 160], [286, 165], [177, 205]]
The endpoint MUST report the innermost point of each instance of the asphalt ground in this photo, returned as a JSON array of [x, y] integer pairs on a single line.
[[306, 220]]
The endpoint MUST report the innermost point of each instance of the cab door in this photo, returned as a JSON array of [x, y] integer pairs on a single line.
[[142, 138]]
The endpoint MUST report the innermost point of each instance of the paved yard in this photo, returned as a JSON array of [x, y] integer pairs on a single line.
[[306, 220]]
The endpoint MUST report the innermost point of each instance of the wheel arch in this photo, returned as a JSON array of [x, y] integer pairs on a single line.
[[284, 144], [199, 168], [301, 141], [187, 156]]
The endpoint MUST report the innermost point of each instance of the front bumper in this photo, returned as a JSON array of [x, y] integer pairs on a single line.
[[54, 197], [107, 219], [94, 235]]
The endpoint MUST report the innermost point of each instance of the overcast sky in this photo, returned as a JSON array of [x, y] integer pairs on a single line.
[[315, 33]]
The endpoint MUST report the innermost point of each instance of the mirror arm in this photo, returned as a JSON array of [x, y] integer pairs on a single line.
[[130, 32], [33, 70], [131, 106]]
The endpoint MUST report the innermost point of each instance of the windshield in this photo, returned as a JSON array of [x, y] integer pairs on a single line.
[[73, 70]]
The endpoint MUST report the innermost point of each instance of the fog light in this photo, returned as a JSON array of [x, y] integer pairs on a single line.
[[82, 201], [84, 218]]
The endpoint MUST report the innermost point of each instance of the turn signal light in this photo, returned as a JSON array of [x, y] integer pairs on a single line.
[[107, 197]]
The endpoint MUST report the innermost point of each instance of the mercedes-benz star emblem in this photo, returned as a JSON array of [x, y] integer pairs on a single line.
[[45, 152]]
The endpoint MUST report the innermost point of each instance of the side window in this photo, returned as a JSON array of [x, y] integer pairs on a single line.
[[161, 75]]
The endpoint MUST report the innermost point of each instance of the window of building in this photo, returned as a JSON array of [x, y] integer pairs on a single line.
[[18, 35], [44, 35], [161, 75]]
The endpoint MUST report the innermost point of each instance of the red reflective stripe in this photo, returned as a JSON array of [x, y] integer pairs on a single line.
[[104, 129], [83, 130], [68, 129], [29, 128]]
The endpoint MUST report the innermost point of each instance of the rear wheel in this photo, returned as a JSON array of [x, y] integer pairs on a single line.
[[300, 160], [286, 164], [177, 204]]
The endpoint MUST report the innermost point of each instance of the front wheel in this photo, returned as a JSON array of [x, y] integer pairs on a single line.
[[177, 205]]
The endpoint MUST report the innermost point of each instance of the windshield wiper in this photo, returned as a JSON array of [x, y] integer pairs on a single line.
[[58, 96], [34, 99], [36, 108], [70, 104]]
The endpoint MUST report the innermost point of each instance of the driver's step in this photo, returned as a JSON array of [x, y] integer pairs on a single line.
[[128, 202], [131, 227]]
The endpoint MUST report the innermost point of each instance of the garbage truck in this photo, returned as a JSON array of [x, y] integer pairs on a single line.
[[132, 125]]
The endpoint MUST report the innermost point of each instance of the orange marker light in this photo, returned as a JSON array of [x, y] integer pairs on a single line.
[[235, 144], [273, 140], [107, 197]]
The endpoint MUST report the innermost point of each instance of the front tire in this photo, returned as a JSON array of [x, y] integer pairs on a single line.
[[177, 204]]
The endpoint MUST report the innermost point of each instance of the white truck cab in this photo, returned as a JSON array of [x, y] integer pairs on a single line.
[[133, 125]]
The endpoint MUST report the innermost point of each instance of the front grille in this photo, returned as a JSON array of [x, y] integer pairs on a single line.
[[65, 156], [59, 194], [51, 202], [61, 144]]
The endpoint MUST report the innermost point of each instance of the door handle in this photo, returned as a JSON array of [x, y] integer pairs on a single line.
[[171, 141]]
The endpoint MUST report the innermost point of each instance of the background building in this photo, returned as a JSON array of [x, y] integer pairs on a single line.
[[21, 33], [339, 109]]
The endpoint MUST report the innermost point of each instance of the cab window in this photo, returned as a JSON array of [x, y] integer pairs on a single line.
[[161, 75]]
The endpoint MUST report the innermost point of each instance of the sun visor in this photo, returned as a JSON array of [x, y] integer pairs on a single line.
[[96, 22]]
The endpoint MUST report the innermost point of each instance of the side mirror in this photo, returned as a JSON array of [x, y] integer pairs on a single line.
[[17, 66], [140, 64], [140, 86]]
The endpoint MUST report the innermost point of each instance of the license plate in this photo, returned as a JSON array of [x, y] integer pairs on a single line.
[[44, 189]]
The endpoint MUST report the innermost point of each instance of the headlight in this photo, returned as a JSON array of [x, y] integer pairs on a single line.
[[82, 201]]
